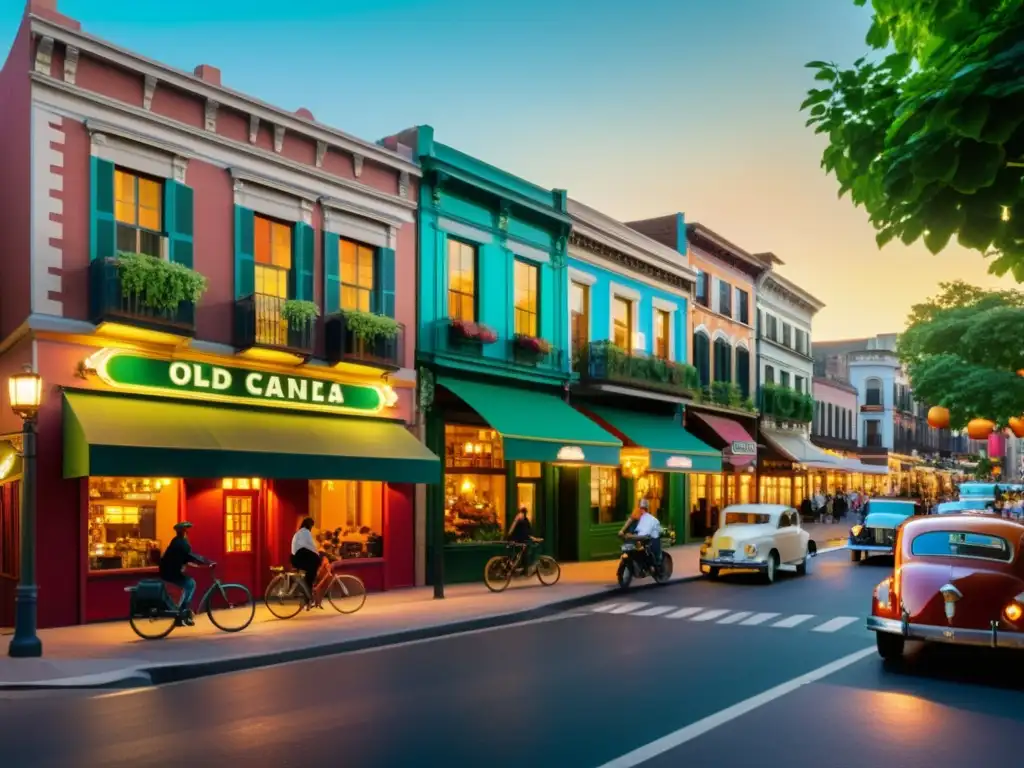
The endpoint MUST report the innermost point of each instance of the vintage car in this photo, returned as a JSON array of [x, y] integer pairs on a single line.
[[957, 579], [757, 537], [877, 534], [964, 505]]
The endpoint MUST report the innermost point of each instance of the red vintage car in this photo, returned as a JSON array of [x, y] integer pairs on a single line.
[[957, 579]]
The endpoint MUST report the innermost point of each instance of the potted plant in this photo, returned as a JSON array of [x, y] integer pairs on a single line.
[[299, 312], [463, 331], [531, 346], [158, 285]]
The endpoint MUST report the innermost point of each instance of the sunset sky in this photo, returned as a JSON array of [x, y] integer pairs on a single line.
[[636, 108]]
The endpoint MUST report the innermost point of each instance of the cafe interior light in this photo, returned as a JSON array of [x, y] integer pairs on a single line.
[[26, 392]]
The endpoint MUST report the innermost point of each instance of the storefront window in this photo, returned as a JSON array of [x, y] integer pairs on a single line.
[[604, 495], [238, 523], [651, 487], [474, 485], [348, 517], [746, 489], [129, 519]]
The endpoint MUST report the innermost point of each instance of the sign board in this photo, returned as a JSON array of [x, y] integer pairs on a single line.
[[679, 462], [570, 453], [225, 383], [744, 448]]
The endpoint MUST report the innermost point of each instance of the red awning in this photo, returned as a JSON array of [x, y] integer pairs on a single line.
[[729, 432]]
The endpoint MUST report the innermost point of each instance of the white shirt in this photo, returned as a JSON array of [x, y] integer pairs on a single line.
[[303, 539], [648, 525]]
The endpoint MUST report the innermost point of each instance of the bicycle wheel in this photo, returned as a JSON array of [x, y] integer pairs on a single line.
[[284, 597], [498, 573], [230, 606], [152, 625], [548, 570], [346, 593]]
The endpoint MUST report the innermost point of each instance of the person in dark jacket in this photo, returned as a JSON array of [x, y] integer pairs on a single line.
[[521, 532], [175, 559]]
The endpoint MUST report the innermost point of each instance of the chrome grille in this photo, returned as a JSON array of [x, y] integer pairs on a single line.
[[884, 536], [726, 552]]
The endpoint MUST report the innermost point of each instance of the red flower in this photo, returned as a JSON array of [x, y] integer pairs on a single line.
[[533, 344], [473, 331]]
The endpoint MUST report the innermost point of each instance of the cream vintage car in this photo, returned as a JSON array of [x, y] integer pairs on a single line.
[[757, 537]]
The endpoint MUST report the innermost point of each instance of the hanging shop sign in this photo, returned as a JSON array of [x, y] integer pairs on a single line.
[[225, 383], [570, 453], [744, 448], [679, 462]]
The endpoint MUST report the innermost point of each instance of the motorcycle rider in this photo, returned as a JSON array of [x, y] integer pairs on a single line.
[[643, 525]]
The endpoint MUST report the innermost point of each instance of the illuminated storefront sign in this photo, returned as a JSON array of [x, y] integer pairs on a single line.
[[225, 383], [679, 462], [744, 448]]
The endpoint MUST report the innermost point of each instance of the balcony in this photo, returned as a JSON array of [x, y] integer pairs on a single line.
[[603, 362], [260, 324], [110, 304], [476, 344], [346, 341], [785, 405]]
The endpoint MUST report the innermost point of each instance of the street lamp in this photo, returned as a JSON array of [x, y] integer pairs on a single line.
[[26, 392]]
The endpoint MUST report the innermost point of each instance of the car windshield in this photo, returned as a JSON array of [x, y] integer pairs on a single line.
[[746, 518], [979, 546], [905, 508]]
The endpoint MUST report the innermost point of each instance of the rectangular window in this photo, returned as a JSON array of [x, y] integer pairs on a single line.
[[651, 486], [784, 378], [138, 213], [787, 335], [702, 288], [579, 308], [356, 269], [474, 485], [348, 517], [461, 281], [272, 244], [742, 306], [129, 519], [526, 287], [662, 333], [604, 495], [237, 523], [769, 374], [798, 384], [772, 327], [622, 317], [725, 298], [873, 433]]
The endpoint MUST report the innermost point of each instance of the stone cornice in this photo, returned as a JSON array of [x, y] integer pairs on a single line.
[[631, 263], [716, 246], [772, 282]]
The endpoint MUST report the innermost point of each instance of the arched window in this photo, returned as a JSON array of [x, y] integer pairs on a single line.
[[743, 370], [873, 392], [702, 357], [723, 360]]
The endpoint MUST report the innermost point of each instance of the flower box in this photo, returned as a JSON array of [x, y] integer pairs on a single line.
[[460, 331], [532, 345]]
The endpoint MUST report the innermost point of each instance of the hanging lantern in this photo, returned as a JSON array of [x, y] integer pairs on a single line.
[[938, 417], [1017, 426], [979, 429]]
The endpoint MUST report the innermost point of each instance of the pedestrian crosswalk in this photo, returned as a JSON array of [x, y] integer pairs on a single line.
[[707, 615]]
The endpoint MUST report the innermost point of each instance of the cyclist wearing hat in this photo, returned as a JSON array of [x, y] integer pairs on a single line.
[[172, 568]]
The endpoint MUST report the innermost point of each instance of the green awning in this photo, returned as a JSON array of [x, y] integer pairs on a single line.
[[118, 436], [672, 447], [535, 426]]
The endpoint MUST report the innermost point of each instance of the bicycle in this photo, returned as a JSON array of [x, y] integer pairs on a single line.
[[287, 593], [500, 569], [153, 615]]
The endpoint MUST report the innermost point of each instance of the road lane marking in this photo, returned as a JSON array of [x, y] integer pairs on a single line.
[[627, 607], [709, 723], [682, 613], [716, 613], [655, 611], [791, 621], [758, 618], [604, 607], [738, 616], [836, 624]]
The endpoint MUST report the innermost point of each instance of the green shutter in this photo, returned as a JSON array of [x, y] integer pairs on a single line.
[[332, 280], [245, 262], [179, 222], [103, 234], [385, 293], [300, 277]]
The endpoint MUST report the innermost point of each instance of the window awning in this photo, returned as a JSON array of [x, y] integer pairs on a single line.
[[855, 465], [732, 435], [798, 449], [535, 426], [672, 448], [105, 435]]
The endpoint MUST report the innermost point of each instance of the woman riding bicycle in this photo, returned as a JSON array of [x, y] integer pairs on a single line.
[[308, 558], [521, 532]]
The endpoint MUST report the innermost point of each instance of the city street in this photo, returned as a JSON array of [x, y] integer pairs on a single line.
[[702, 673]]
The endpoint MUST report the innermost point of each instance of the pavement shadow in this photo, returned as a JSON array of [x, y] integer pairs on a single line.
[[987, 667]]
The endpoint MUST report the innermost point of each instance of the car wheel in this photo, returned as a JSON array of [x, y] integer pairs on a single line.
[[855, 556], [890, 647], [712, 572], [772, 567]]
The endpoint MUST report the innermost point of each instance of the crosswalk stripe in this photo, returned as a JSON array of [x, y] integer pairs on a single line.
[[716, 613], [604, 607], [757, 618], [655, 611], [682, 613], [791, 621], [835, 624], [738, 616], [628, 607]]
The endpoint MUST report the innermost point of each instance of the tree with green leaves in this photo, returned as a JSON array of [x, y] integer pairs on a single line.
[[929, 139], [962, 350]]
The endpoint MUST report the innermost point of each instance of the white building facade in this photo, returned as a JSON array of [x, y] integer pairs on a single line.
[[785, 313]]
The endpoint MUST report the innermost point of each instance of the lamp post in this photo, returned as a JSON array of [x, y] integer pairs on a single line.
[[26, 393]]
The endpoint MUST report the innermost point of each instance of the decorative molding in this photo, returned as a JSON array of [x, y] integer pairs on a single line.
[[403, 184], [357, 165], [44, 55], [321, 153], [773, 288], [581, 277], [355, 225], [278, 138], [663, 305], [391, 218], [465, 231], [529, 252], [625, 292], [210, 115], [503, 215], [132, 150], [724, 255], [179, 165], [630, 264], [254, 128], [306, 212], [148, 90], [70, 64]]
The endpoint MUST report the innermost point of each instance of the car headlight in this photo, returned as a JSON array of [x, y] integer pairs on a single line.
[[750, 550], [883, 595], [1015, 610], [856, 531]]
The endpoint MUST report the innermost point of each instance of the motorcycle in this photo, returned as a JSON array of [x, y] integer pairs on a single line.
[[637, 561]]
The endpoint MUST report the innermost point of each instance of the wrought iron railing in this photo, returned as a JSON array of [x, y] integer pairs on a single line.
[[260, 322], [343, 344], [476, 341], [602, 361], [108, 302]]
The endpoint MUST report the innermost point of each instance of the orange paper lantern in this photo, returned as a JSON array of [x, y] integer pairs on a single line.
[[938, 417], [1017, 426], [1020, 372], [980, 429]]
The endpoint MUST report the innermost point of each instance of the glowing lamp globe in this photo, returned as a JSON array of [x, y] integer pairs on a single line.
[[26, 392], [1017, 426], [938, 417], [980, 429]]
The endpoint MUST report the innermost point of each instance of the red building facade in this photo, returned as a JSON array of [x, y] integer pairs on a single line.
[[287, 388]]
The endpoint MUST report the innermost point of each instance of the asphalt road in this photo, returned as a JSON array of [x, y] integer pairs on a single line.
[[701, 674]]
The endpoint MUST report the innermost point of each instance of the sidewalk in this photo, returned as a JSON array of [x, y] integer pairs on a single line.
[[110, 654]]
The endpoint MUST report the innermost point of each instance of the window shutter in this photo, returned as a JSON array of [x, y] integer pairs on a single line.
[[179, 222], [103, 236], [385, 304], [245, 261], [332, 278], [301, 274]]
